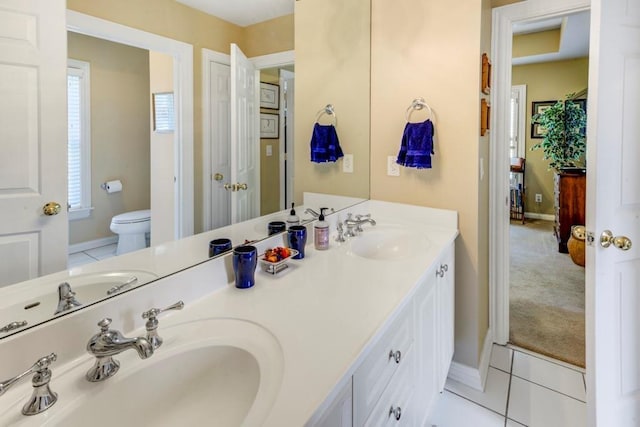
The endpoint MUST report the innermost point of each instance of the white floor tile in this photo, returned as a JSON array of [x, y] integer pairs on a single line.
[[549, 375], [78, 259], [511, 423], [501, 357], [495, 392], [537, 406], [454, 411], [103, 252]]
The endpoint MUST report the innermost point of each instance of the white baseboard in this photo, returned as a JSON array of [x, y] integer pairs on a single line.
[[92, 244], [533, 215], [474, 377]]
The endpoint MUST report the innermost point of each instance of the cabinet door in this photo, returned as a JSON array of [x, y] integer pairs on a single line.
[[445, 282], [339, 413], [426, 316]]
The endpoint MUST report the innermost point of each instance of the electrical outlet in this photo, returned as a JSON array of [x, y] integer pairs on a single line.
[[538, 198], [347, 163], [393, 169]]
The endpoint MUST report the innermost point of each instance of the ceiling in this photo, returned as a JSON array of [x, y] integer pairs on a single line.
[[243, 12], [574, 37]]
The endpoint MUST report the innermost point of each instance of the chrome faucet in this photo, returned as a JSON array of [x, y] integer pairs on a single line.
[[66, 298], [109, 342], [315, 214], [354, 226], [152, 323], [42, 398]]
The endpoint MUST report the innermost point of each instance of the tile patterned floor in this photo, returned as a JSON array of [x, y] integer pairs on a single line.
[[96, 254], [522, 389]]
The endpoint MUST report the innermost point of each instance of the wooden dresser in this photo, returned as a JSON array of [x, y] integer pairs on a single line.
[[570, 187]]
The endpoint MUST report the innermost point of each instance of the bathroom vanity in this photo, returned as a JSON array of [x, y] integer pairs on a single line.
[[360, 334]]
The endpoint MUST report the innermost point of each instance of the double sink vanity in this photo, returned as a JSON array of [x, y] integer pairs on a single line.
[[359, 334]]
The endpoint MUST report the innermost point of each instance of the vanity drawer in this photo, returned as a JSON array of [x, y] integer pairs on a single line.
[[395, 407], [385, 358]]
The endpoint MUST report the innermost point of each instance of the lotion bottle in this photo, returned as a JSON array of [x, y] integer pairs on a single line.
[[321, 232], [292, 219]]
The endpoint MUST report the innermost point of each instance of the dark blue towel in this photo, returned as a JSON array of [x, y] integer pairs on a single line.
[[325, 146], [417, 145]]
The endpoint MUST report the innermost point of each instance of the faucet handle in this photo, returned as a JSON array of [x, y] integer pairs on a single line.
[[42, 398], [104, 324], [360, 217], [152, 322], [153, 313]]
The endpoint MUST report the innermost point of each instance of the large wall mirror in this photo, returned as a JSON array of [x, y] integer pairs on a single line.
[[173, 173]]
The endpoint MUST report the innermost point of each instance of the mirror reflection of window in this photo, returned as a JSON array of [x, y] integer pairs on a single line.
[[163, 112], [79, 139]]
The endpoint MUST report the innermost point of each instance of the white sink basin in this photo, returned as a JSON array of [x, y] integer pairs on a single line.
[[39, 303], [223, 372], [387, 242]]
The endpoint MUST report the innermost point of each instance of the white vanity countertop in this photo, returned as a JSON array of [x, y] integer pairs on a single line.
[[323, 310]]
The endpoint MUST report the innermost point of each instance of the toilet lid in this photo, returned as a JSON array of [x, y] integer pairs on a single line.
[[132, 217]]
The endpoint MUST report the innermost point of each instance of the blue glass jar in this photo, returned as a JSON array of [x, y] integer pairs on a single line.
[[245, 260]]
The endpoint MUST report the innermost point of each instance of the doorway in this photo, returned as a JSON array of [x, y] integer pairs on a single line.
[[501, 243]]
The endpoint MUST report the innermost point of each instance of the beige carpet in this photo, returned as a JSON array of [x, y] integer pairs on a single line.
[[546, 310]]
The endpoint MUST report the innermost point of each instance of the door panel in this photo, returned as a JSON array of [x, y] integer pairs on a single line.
[[33, 138], [220, 122], [613, 203]]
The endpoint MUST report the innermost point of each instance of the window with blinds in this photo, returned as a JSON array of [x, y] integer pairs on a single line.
[[78, 140]]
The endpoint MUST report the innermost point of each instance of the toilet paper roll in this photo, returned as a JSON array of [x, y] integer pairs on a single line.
[[114, 186]]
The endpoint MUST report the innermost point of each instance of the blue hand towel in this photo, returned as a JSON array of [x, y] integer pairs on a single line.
[[325, 146], [417, 145]]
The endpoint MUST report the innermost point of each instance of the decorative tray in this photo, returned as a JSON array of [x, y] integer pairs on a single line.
[[274, 267]]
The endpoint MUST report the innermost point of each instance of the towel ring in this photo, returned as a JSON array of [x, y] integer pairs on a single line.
[[419, 104], [329, 111]]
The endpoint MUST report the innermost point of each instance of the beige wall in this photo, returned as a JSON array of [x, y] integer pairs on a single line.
[[269, 165], [536, 43], [545, 82], [332, 40], [119, 131], [433, 50], [171, 19]]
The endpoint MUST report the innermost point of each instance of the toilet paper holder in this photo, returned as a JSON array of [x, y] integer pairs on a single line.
[[114, 186]]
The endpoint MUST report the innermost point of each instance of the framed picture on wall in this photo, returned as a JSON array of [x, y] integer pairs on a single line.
[[538, 107], [269, 126], [269, 96]]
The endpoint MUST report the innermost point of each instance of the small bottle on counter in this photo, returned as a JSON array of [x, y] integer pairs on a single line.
[[321, 232], [292, 219]]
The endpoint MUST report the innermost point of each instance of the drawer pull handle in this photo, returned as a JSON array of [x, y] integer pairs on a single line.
[[396, 412], [395, 355]]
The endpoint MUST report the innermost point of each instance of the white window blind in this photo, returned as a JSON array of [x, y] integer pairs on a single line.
[[78, 142], [163, 112]]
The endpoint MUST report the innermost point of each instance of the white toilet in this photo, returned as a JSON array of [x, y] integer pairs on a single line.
[[131, 228]]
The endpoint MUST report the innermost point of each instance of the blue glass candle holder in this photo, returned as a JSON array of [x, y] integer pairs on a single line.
[[275, 227], [298, 239], [219, 246], [245, 260]]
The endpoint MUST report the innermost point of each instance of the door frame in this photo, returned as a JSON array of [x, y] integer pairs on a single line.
[[501, 45], [279, 59], [182, 54]]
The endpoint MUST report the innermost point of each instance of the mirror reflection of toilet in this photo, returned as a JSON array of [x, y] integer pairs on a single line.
[[131, 228]]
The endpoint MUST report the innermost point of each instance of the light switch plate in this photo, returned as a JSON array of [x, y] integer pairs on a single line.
[[393, 169], [347, 163], [269, 150]]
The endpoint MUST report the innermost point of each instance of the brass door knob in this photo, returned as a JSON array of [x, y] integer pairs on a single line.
[[242, 186], [231, 187], [51, 208], [620, 242], [218, 177]]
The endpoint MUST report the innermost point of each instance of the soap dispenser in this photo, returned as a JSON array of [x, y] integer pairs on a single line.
[[292, 219], [321, 232]]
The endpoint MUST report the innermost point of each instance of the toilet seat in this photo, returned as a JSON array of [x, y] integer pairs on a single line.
[[132, 217]]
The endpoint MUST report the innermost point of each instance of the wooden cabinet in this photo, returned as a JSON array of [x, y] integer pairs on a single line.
[[570, 188]]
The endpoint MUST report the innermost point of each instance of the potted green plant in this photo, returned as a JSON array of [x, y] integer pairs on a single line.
[[564, 141]]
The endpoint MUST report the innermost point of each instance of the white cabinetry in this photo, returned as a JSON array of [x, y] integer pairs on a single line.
[[398, 380], [340, 412]]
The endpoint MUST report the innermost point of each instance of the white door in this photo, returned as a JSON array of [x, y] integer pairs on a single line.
[[33, 138], [245, 138], [613, 203], [220, 123]]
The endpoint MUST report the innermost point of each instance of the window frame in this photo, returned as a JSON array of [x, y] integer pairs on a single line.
[[83, 69]]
